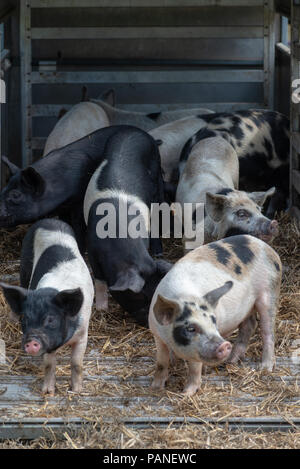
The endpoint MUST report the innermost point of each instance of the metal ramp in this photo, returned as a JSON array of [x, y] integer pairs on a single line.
[[112, 395]]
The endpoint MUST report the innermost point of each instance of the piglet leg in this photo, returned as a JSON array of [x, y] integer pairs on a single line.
[[246, 330], [156, 247], [194, 378], [101, 295], [267, 311], [162, 364], [49, 379], [78, 351]]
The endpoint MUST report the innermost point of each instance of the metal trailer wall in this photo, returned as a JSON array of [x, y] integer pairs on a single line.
[[282, 79], [11, 110], [156, 54], [295, 112], [282, 59]]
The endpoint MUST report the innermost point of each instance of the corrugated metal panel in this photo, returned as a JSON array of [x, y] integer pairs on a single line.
[[191, 52]]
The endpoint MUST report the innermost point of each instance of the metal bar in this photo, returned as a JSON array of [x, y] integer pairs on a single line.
[[141, 3], [25, 59], [269, 53], [284, 30], [157, 76], [29, 429], [148, 32], [144, 62], [297, 51], [296, 180], [52, 110], [295, 136]]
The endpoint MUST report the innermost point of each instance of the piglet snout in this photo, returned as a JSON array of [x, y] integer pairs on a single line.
[[32, 347], [273, 227], [268, 230], [224, 350]]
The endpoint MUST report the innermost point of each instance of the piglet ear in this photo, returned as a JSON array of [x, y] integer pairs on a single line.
[[214, 206], [84, 94], [129, 280], [109, 97], [70, 301], [162, 266], [15, 297], [214, 296], [260, 197], [165, 310], [13, 169], [33, 181]]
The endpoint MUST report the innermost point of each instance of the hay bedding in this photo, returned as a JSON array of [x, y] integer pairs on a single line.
[[120, 362]]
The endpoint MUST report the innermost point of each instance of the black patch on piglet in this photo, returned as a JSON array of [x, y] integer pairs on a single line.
[[222, 254], [277, 267], [181, 335], [50, 258], [224, 191], [237, 132], [240, 246], [200, 135], [186, 313]]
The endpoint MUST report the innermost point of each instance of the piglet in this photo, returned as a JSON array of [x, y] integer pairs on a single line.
[[55, 299], [209, 293], [211, 176], [120, 194]]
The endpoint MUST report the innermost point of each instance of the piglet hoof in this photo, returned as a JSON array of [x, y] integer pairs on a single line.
[[76, 388], [268, 366], [48, 391], [157, 386], [159, 382], [173, 358], [191, 389], [102, 305], [235, 358]]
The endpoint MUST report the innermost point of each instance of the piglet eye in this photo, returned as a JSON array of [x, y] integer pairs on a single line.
[[50, 321], [191, 329], [15, 196], [243, 214]]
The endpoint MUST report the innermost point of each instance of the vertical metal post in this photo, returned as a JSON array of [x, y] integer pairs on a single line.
[[1, 49], [294, 113], [26, 69], [269, 53], [284, 30]]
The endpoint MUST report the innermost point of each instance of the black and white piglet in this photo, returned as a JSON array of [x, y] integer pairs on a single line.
[[54, 184], [55, 299], [121, 190]]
